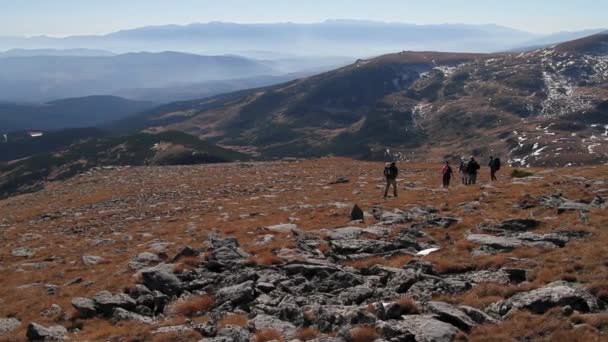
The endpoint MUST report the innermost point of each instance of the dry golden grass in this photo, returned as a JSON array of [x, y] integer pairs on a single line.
[[524, 326], [408, 306], [247, 191], [239, 320], [177, 337], [485, 294], [265, 258], [266, 335], [307, 334], [192, 306], [363, 334]]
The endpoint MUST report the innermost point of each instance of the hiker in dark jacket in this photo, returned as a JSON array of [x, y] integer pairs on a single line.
[[390, 173], [447, 172], [472, 169], [494, 165]]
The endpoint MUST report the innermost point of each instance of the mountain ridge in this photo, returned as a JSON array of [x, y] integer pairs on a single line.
[[409, 100]]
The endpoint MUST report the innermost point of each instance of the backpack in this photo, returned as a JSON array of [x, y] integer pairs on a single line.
[[497, 164], [388, 172]]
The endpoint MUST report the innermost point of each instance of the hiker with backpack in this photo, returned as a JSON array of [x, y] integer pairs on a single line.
[[463, 171], [390, 173], [447, 172], [494, 167], [472, 169]]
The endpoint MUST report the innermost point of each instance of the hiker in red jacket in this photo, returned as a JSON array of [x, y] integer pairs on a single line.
[[447, 172]]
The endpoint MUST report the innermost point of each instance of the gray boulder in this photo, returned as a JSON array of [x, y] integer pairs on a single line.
[[143, 260], [519, 225], [496, 242], [237, 294], [477, 316], [261, 322], [539, 301], [161, 279], [355, 295], [420, 328], [124, 315], [37, 332], [8, 324], [402, 281], [106, 302], [85, 307], [449, 314]]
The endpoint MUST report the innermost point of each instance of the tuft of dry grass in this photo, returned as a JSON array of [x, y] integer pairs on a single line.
[[408, 306], [364, 333], [307, 334], [239, 320], [266, 335], [265, 258], [192, 306], [177, 337], [525, 326], [485, 294]]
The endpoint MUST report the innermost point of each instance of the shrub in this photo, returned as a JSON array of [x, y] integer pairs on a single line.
[[516, 173]]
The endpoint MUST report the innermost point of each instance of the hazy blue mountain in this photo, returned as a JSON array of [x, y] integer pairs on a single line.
[[43, 78], [329, 38], [557, 38], [76, 112], [55, 52]]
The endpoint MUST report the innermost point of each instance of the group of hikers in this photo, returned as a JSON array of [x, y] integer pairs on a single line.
[[468, 170]]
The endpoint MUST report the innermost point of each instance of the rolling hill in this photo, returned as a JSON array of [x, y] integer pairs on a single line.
[[61, 155], [543, 107]]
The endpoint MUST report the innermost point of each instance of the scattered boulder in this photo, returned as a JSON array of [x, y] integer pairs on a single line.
[[37, 332], [449, 314], [519, 225], [8, 324], [23, 252], [240, 294], [91, 260], [161, 279], [143, 260], [419, 328], [121, 314], [85, 307], [261, 322], [106, 302], [340, 180], [539, 301]]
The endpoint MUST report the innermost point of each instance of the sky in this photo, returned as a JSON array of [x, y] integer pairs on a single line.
[[83, 17]]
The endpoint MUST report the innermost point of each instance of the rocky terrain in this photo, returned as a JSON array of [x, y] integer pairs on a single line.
[[545, 107], [306, 251]]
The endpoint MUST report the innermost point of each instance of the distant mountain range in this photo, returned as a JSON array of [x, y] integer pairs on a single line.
[[544, 107], [55, 52], [351, 38], [47, 77]]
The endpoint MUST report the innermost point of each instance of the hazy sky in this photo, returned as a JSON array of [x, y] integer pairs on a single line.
[[72, 17]]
